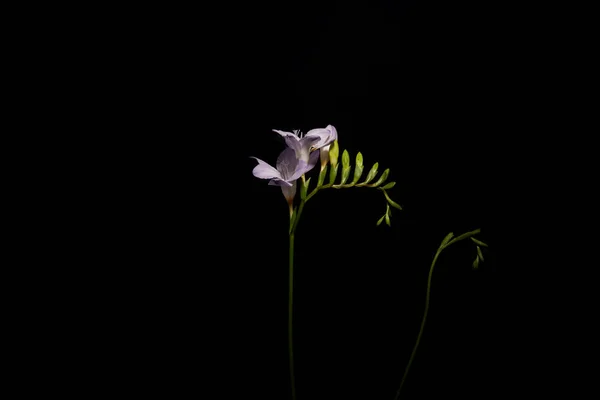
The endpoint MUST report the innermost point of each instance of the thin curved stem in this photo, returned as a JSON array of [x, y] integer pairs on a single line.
[[427, 298], [290, 315]]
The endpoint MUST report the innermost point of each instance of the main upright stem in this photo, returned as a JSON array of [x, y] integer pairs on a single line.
[[290, 317]]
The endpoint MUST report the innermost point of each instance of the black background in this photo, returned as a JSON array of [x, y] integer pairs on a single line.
[[452, 97]]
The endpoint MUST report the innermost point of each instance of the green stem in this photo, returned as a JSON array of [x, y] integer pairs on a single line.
[[427, 297], [290, 314], [291, 297], [443, 246]]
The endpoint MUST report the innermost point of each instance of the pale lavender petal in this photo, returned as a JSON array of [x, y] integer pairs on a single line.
[[291, 140], [265, 171], [279, 182], [306, 144], [304, 167], [312, 161], [287, 134], [324, 153], [324, 136], [333, 132], [287, 163], [289, 192]]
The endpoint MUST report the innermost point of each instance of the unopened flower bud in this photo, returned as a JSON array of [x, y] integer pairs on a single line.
[[334, 153]]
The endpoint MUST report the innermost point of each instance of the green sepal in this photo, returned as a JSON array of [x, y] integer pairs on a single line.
[[382, 178]]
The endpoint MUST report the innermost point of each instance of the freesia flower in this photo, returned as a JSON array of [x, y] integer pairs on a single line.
[[326, 141], [313, 140], [289, 169]]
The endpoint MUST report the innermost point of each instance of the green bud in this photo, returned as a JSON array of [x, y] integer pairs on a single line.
[[447, 239], [380, 220], [372, 173], [476, 263], [479, 253], [358, 170], [333, 173], [359, 159], [334, 152], [382, 178], [345, 159], [390, 201], [322, 175], [345, 173], [480, 243], [465, 235], [387, 216]]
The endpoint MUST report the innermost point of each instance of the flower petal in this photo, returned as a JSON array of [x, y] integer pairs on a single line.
[[287, 134], [279, 182], [303, 167], [312, 161], [291, 140], [287, 163], [324, 136], [265, 171], [333, 132]]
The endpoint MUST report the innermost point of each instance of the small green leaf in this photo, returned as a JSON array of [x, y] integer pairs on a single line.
[[345, 159], [380, 220], [476, 263], [479, 253], [372, 173], [333, 174], [387, 216], [390, 201], [359, 159], [447, 239], [388, 186], [479, 242], [322, 175], [382, 178]]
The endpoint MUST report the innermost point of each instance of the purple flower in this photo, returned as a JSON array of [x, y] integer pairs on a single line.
[[327, 138], [313, 140], [289, 169]]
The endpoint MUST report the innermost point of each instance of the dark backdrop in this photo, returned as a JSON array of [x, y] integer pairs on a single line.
[[447, 95]]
